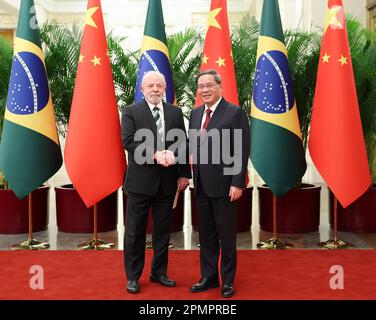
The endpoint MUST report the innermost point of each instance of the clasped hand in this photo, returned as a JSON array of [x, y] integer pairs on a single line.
[[165, 158]]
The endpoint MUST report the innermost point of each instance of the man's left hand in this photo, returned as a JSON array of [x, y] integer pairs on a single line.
[[235, 193], [183, 183], [170, 157]]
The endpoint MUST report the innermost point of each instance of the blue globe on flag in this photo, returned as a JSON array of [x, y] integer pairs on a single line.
[[28, 87], [155, 60], [273, 92]]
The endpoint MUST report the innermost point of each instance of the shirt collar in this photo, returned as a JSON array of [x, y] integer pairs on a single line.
[[214, 106], [151, 106]]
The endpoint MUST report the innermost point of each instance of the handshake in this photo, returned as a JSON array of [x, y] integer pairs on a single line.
[[165, 158]]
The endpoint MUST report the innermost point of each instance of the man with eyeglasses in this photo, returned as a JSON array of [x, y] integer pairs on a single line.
[[223, 133], [153, 180]]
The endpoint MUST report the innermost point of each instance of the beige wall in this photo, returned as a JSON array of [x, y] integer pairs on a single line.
[[371, 14]]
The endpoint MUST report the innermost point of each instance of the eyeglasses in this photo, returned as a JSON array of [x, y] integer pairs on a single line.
[[207, 86]]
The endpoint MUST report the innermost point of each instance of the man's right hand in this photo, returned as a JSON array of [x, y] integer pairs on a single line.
[[165, 158]]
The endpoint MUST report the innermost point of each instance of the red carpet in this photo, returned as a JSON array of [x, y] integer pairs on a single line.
[[294, 274]]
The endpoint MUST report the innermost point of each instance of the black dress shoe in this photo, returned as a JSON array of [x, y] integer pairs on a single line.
[[228, 290], [204, 284], [163, 280], [133, 286]]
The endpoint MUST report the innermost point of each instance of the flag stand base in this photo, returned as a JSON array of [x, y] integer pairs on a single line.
[[149, 245], [335, 244], [96, 244], [31, 244], [274, 244]]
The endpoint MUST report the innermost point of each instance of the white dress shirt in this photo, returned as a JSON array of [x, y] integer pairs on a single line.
[[161, 113], [212, 108]]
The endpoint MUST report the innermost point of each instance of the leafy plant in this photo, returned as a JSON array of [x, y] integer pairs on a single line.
[[124, 70], [62, 50], [363, 52], [185, 62], [303, 56], [3, 183], [244, 51], [6, 53]]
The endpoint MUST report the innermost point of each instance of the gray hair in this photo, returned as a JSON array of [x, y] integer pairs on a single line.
[[212, 72], [153, 73]]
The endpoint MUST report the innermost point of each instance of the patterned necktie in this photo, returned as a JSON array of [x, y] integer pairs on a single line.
[[158, 121]]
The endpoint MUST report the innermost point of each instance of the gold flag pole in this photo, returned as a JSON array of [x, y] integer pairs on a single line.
[[31, 244], [335, 243], [274, 243], [95, 243]]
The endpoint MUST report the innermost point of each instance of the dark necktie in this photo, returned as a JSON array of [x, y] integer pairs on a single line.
[[207, 119]]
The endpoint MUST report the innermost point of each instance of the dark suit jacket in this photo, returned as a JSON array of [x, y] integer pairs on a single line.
[[146, 178], [211, 175]]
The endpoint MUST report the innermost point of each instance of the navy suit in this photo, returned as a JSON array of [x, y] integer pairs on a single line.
[[217, 215]]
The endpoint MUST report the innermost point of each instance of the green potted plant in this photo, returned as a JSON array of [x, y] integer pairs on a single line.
[[14, 212], [359, 216], [6, 54], [185, 62]]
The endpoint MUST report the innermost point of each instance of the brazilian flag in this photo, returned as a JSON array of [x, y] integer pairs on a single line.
[[154, 51], [29, 152], [276, 145]]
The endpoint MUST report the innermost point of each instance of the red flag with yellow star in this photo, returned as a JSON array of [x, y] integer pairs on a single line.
[[336, 140], [217, 53], [94, 156]]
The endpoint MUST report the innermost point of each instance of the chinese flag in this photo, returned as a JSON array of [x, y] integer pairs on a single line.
[[336, 140], [217, 53], [94, 156]]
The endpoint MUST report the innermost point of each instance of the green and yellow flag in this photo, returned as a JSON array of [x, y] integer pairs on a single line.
[[276, 145], [154, 51], [29, 152]]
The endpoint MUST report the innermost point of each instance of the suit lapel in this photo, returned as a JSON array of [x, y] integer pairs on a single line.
[[149, 116], [197, 122], [216, 115], [167, 118], [215, 118]]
